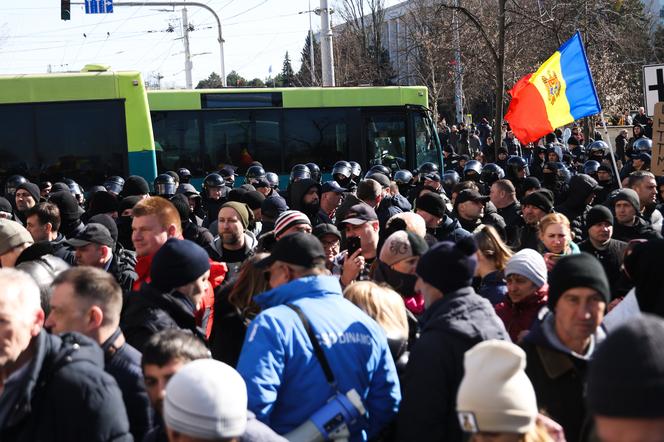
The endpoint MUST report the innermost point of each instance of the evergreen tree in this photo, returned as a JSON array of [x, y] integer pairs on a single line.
[[303, 77], [233, 79], [256, 82], [287, 74], [212, 82]]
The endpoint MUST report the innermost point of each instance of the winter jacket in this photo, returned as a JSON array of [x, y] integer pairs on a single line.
[[228, 330], [296, 194], [559, 377], [215, 250], [122, 268], [611, 258], [194, 232], [449, 229], [451, 326], [65, 395], [62, 250], [520, 316], [390, 206], [278, 362], [493, 287], [124, 364], [641, 229], [575, 207], [150, 310], [512, 217], [528, 237]]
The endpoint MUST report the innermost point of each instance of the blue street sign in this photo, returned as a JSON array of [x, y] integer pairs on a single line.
[[98, 6]]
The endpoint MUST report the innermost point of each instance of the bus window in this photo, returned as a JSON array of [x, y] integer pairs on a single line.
[[315, 135], [243, 136], [178, 142], [86, 140], [425, 141], [386, 137]]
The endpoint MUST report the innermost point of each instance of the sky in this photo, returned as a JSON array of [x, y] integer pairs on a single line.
[[257, 34]]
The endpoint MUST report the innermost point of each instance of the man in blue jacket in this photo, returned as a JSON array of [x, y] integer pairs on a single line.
[[285, 381]]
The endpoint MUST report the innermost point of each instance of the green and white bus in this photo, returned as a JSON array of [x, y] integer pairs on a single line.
[[82, 125], [206, 129]]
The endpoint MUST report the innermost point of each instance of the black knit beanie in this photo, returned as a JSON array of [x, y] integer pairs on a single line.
[[102, 202], [107, 222], [178, 262], [69, 209], [597, 215], [431, 203], [32, 189], [254, 199], [579, 270], [135, 185], [626, 375], [129, 202], [181, 203], [448, 266]]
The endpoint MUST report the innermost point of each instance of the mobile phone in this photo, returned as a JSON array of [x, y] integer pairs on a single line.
[[352, 244]]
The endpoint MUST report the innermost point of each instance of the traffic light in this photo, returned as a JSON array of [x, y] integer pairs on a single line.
[[65, 12]]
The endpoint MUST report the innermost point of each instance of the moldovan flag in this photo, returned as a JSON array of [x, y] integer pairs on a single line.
[[560, 92]]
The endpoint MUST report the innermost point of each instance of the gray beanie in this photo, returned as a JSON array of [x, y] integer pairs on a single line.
[[528, 263], [628, 195]]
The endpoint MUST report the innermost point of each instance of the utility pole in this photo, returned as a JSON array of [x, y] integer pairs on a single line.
[[312, 66], [220, 38], [458, 69], [188, 65], [326, 49]]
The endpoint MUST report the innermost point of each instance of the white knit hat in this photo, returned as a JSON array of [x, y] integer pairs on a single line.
[[528, 263], [206, 399], [495, 394]]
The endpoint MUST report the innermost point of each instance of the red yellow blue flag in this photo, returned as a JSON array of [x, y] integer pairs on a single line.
[[560, 92]]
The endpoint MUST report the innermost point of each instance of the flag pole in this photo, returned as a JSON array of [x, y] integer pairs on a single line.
[[611, 153]]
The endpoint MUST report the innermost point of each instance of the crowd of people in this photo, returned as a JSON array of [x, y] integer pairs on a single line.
[[512, 296]]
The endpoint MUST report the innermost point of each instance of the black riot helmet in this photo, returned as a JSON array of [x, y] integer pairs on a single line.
[[74, 188], [450, 179], [642, 145], [184, 174], [472, 171], [299, 172], [427, 168], [379, 168], [114, 184], [491, 173], [164, 185], [213, 180], [341, 168], [559, 169], [314, 170], [13, 182], [597, 149], [228, 175], [355, 170], [273, 179], [591, 167], [516, 166], [403, 176], [254, 173]]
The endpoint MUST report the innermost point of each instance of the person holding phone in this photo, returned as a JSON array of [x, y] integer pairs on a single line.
[[555, 236], [361, 227]]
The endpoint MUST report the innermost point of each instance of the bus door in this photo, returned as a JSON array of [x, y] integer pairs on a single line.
[[425, 144], [385, 136]]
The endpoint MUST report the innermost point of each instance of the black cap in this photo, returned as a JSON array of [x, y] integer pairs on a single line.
[[93, 233], [360, 214], [298, 248], [332, 186], [326, 229], [470, 195], [431, 203], [433, 176], [541, 199]]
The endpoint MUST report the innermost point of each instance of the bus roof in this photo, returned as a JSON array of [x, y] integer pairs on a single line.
[[316, 97], [70, 86]]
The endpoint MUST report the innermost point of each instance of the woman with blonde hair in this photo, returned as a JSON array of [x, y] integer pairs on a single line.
[[555, 235], [234, 308], [386, 307], [496, 401], [492, 256]]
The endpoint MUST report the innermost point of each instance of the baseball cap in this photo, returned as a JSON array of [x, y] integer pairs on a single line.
[[360, 214], [94, 233], [332, 186], [298, 248], [470, 195], [326, 229]]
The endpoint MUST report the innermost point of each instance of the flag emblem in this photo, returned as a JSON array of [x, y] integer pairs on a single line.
[[552, 83]]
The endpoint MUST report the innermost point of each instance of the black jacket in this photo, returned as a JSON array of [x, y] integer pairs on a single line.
[[66, 396], [228, 328], [62, 250], [574, 207], [296, 194], [512, 217], [149, 311], [611, 258], [124, 364], [452, 326], [123, 268], [390, 206], [449, 229], [640, 230]]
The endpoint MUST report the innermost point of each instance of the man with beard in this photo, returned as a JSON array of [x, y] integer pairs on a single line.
[[235, 242], [645, 185], [27, 196], [604, 179], [304, 196]]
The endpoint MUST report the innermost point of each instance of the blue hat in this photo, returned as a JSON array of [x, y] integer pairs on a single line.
[[178, 262], [332, 186]]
